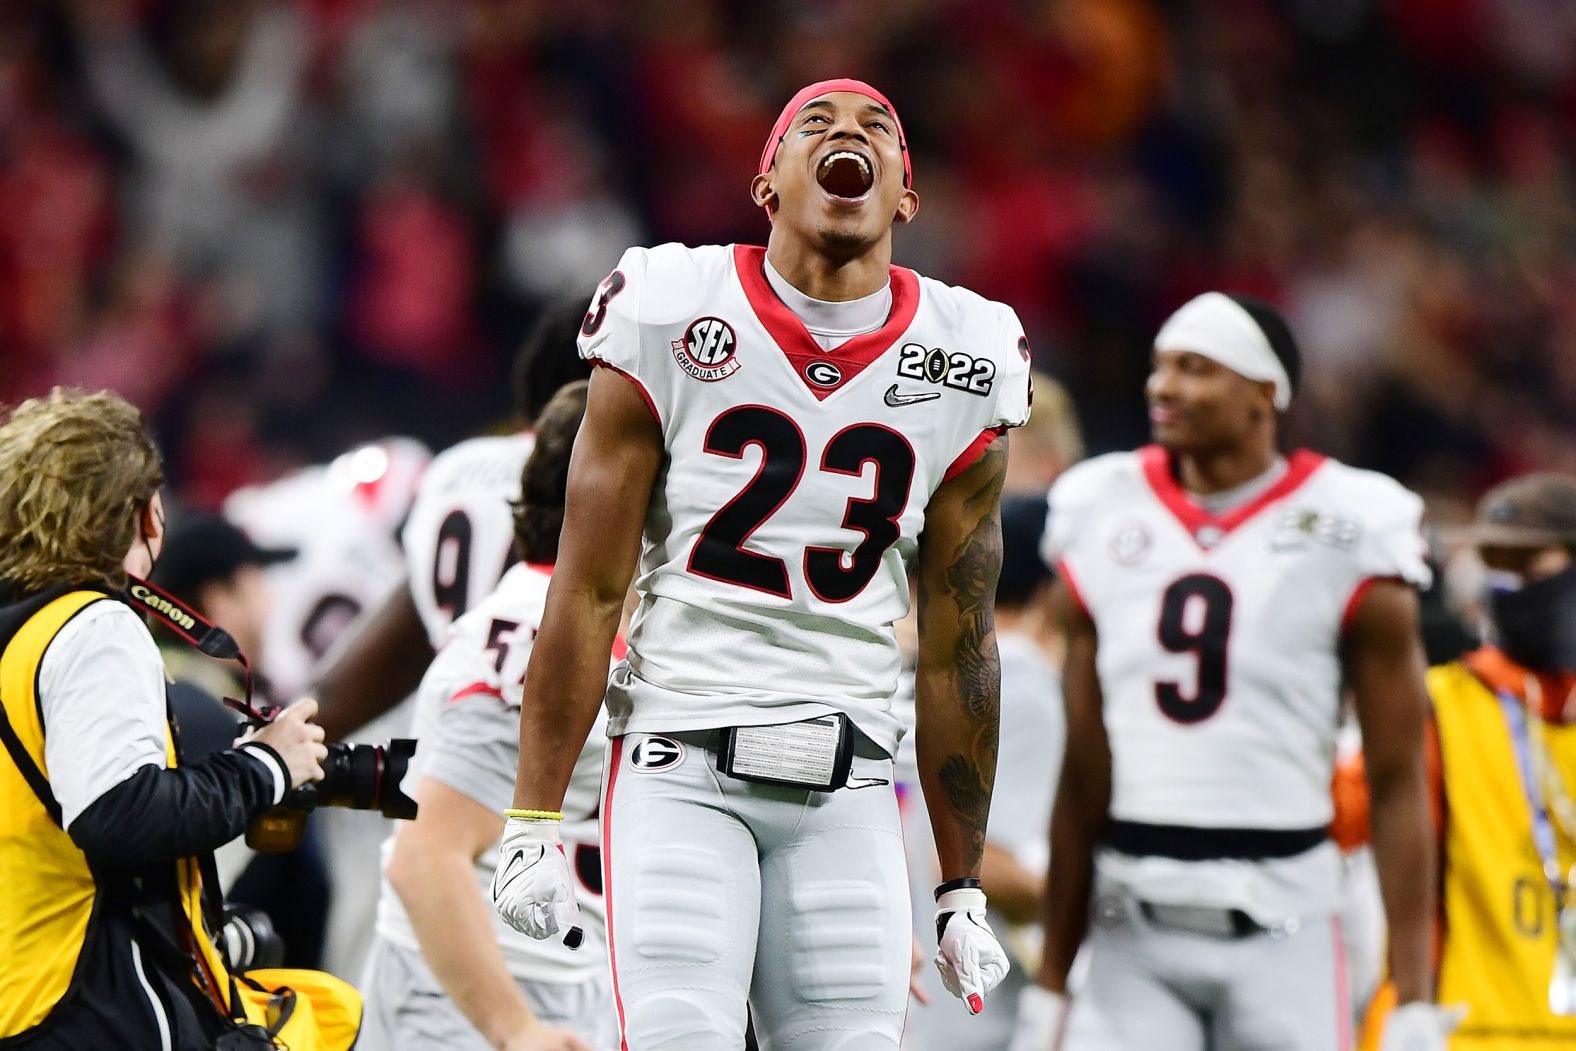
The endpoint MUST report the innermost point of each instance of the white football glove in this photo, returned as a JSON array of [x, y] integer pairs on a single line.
[[970, 959], [532, 888], [1419, 1026], [1041, 1016]]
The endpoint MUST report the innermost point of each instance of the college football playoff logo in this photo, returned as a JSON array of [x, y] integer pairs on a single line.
[[1130, 543], [707, 350]]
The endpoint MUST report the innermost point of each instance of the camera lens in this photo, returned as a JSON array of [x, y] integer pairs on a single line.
[[368, 777]]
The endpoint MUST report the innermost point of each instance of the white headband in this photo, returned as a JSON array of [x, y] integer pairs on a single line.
[[1216, 327]]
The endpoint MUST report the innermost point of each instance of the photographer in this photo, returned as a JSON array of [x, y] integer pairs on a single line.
[[105, 936]]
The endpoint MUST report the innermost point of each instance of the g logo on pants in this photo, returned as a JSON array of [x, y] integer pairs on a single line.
[[656, 753]]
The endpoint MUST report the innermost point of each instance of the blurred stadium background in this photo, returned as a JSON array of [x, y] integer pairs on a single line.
[[282, 227]]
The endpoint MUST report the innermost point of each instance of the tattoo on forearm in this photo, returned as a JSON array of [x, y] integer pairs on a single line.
[[969, 795], [971, 579], [968, 584]]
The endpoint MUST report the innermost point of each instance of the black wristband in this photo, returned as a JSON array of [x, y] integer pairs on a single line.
[[962, 883]]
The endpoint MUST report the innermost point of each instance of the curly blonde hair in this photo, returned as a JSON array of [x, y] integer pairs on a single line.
[[75, 470]]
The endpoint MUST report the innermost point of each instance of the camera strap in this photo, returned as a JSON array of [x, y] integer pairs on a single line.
[[199, 632]]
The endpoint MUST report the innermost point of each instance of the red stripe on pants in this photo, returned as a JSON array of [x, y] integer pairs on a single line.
[[613, 763], [1343, 1004]]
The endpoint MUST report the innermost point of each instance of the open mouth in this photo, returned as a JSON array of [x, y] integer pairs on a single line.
[[845, 175]]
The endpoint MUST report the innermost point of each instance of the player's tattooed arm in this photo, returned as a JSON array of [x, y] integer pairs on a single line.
[[958, 674]]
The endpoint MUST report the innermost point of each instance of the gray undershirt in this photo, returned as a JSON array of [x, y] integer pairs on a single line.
[[833, 324], [1226, 500]]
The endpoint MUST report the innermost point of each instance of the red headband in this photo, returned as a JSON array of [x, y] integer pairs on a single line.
[[826, 87]]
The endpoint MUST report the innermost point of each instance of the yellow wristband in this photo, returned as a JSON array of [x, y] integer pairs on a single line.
[[535, 815]]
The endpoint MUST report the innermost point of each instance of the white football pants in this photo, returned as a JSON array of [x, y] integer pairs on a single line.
[[1154, 988], [720, 891]]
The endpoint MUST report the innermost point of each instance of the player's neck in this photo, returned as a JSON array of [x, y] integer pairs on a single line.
[[826, 278], [1221, 470]]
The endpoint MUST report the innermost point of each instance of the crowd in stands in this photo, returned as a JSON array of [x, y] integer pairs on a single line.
[[283, 226]]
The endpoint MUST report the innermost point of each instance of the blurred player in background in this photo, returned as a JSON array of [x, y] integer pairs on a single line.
[[457, 541], [1220, 594], [446, 971], [1048, 444], [1502, 762], [782, 424], [343, 520]]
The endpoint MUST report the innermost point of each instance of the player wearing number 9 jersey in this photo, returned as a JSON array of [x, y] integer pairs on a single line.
[[780, 435], [1220, 595]]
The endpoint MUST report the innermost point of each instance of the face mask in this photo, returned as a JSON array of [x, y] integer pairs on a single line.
[[1535, 624], [147, 544]]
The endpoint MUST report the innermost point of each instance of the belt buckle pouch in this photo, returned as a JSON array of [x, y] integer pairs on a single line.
[[1209, 922], [813, 753]]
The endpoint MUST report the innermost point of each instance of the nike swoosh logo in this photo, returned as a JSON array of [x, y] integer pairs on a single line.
[[513, 870], [894, 399]]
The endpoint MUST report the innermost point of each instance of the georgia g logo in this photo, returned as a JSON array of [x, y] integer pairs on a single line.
[[707, 350], [823, 373], [652, 754]]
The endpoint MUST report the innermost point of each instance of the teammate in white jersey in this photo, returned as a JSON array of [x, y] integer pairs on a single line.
[[794, 428], [457, 541], [342, 519], [1222, 594], [445, 971]]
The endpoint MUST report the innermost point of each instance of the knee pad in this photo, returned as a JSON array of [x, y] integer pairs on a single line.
[[839, 943], [861, 1042], [675, 1022], [682, 909]]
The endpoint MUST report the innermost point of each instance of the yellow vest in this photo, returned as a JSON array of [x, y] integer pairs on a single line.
[[49, 889], [1500, 932]]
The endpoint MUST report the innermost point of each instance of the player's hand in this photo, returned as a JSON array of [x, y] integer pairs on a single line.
[[916, 988], [1042, 1015], [1419, 1026], [532, 888], [298, 740], [970, 959], [536, 1038]]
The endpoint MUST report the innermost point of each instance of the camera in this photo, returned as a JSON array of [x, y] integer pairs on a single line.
[[248, 939], [355, 776]]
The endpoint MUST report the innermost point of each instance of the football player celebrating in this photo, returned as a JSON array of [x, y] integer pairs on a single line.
[[1221, 594], [791, 428]]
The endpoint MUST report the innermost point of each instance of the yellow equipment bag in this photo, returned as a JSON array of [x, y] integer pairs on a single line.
[[300, 1010]]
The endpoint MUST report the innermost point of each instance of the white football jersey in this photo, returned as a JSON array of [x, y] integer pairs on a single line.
[[1219, 653], [459, 537], [342, 519], [468, 728], [778, 538]]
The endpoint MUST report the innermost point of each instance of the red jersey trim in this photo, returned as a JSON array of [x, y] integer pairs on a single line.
[[975, 450], [641, 387], [795, 341], [1156, 462], [473, 690]]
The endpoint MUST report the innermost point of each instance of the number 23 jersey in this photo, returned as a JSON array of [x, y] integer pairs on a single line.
[[794, 489], [1219, 637]]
